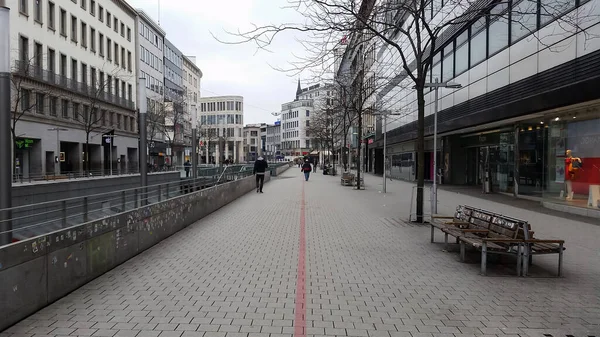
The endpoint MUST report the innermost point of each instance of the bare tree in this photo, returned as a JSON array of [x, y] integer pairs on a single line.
[[174, 126], [155, 121], [88, 107], [414, 30], [23, 97], [209, 136], [326, 124]]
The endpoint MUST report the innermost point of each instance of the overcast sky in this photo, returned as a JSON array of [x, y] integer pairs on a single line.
[[231, 69]]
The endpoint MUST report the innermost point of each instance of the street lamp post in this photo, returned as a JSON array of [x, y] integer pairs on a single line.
[[57, 158], [5, 135], [436, 85], [143, 109], [384, 130], [195, 143]]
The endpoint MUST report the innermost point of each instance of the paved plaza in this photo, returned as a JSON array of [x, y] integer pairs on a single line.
[[318, 259]]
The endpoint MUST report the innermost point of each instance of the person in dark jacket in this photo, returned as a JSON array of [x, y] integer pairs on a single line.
[[306, 168], [187, 166], [260, 166]]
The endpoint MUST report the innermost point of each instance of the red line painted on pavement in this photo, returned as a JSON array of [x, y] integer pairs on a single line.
[[300, 319]]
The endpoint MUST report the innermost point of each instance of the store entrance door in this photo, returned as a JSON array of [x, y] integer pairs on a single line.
[[472, 169]]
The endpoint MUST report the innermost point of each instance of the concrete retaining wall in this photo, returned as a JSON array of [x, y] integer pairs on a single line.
[[38, 271]]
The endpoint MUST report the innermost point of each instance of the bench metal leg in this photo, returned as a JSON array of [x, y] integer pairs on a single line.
[[432, 233], [462, 251], [484, 259], [560, 259], [526, 255], [446, 240]]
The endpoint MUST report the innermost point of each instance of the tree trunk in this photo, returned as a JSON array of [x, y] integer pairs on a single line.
[[332, 153], [358, 157], [420, 152], [87, 154]]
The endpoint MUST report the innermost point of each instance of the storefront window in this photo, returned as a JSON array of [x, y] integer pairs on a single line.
[[566, 149]]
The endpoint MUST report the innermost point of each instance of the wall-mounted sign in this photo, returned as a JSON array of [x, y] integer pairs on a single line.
[[24, 143], [62, 157]]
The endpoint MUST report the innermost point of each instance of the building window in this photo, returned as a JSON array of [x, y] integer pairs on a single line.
[[24, 50], [73, 29], [122, 29], [307, 114], [53, 102], [100, 13], [448, 63], [116, 59], [65, 108], [129, 61], [83, 34], [108, 49], [93, 7], [39, 103], [84, 77], [123, 56], [83, 4], [478, 42], [130, 92], [75, 111], [63, 22], [108, 19], [101, 44], [23, 7], [93, 39], [51, 61], [498, 29], [115, 24], [51, 10], [462, 53], [74, 69], [524, 19], [37, 10]]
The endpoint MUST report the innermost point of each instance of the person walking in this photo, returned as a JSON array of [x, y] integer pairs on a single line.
[[187, 166], [306, 168], [260, 166]]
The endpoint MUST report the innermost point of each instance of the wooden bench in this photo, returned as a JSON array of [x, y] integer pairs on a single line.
[[495, 233], [347, 179]]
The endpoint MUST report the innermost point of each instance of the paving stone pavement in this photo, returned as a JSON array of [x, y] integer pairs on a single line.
[[370, 273]]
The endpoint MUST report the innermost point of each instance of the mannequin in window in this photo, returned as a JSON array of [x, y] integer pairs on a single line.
[[572, 165]]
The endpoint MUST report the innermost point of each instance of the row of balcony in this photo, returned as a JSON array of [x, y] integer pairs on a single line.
[[25, 69]]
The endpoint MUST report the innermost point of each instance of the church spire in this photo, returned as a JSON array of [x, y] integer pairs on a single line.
[[299, 90]]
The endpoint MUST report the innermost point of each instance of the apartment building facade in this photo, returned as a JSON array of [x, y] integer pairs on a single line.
[[252, 142], [273, 142], [74, 79], [175, 114], [527, 110], [192, 76], [220, 128], [150, 42]]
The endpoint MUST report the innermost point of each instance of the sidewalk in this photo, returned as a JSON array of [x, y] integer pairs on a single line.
[[318, 259]]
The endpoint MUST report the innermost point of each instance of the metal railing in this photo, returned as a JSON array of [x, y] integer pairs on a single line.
[[32, 177], [25, 68], [41, 218]]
